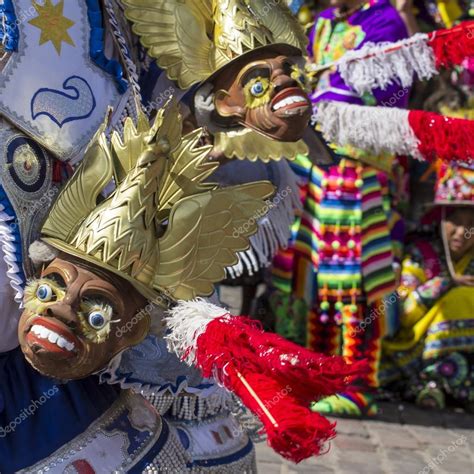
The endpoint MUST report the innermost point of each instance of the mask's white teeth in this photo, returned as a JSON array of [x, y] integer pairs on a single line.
[[62, 343], [288, 101], [42, 332], [45, 333]]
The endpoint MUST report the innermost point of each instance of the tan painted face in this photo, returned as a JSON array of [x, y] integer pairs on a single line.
[[459, 228], [75, 318], [265, 95]]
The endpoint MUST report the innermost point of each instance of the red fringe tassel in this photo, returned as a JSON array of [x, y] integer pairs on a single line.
[[443, 137], [451, 47], [277, 380], [292, 430]]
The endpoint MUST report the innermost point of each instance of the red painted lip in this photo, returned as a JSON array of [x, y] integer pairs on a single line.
[[287, 93], [45, 345]]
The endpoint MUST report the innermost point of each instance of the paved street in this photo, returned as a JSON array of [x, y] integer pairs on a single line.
[[402, 440]]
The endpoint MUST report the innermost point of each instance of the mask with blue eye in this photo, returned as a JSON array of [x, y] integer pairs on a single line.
[[96, 320], [75, 320], [42, 293], [299, 75], [45, 293], [257, 89], [257, 92]]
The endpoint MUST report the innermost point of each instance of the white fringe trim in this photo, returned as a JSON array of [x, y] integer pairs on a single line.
[[186, 322], [372, 129], [274, 230], [378, 65], [248, 261]]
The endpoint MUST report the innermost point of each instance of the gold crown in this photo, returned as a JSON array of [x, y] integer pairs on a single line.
[[193, 39], [163, 229]]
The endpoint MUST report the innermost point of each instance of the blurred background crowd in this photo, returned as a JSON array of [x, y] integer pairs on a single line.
[[380, 264]]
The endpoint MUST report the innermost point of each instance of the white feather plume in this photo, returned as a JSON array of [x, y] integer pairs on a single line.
[[40, 252], [186, 322]]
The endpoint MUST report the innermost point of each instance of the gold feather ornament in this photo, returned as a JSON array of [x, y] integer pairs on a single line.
[[164, 229], [207, 43], [193, 39]]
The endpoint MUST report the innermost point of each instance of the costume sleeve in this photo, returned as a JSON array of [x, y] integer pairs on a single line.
[[412, 277], [339, 90], [380, 26], [418, 291], [21, 214]]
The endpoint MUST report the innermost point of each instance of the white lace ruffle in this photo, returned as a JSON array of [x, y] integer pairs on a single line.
[[9, 247], [113, 375]]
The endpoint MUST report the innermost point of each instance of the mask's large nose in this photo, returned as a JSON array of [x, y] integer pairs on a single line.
[[282, 81], [281, 77], [64, 313], [66, 310]]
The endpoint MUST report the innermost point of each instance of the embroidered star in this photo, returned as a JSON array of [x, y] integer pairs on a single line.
[[53, 24]]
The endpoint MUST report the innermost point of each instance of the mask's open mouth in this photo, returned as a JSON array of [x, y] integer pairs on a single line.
[[49, 336], [291, 101]]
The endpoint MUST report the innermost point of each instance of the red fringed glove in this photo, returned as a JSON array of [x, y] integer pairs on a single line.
[[442, 137], [452, 46], [276, 379]]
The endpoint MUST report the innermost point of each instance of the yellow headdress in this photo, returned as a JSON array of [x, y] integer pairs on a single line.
[[193, 39], [162, 228]]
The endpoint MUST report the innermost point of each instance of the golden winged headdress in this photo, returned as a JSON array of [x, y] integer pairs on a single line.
[[193, 39], [163, 228]]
